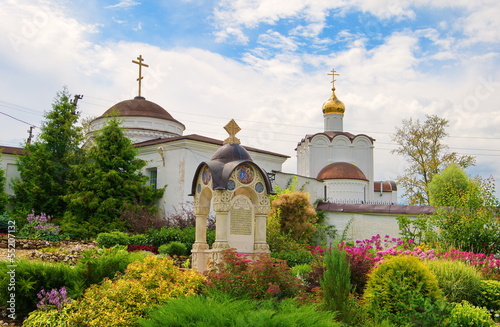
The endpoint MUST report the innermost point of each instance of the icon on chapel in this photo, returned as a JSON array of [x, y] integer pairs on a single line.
[[231, 185], [245, 174], [206, 176]]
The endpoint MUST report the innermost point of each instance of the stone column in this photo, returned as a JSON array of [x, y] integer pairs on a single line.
[[260, 244], [221, 202], [200, 247]]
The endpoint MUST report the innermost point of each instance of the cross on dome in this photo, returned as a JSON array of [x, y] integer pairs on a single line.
[[232, 129], [333, 71], [139, 62]]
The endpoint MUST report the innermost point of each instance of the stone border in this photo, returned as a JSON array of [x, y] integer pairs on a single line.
[[28, 244]]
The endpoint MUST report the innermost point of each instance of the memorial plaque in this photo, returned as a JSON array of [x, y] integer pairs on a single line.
[[241, 217]]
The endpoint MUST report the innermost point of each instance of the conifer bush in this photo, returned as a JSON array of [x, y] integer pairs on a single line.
[[336, 282], [402, 284], [226, 311], [98, 264], [33, 276], [458, 280]]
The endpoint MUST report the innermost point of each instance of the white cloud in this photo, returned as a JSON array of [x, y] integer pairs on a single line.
[[278, 41], [268, 91], [124, 4], [118, 21], [482, 25], [231, 17], [138, 27]]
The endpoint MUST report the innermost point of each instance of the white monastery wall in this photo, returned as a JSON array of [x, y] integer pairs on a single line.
[[8, 163]]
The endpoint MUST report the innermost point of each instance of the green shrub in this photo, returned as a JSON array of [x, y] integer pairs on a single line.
[[144, 284], [301, 271], [4, 223], [413, 308], [284, 247], [107, 240], [336, 282], [158, 237], [39, 228], [173, 248], [97, 264], [137, 239], [226, 311], [466, 315], [488, 295], [403, 288], [31, 276], [458, 280], [50, 318], [294, 258], [260, 278]]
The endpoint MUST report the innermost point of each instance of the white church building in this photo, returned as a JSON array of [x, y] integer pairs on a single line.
[[334, 166], [172, 158]]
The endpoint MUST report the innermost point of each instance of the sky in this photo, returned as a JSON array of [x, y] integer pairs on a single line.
[[263, 63]]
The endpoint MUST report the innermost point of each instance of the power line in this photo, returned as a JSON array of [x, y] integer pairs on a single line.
[[279, 124], [20, 120], [25, 109], [20, 108]]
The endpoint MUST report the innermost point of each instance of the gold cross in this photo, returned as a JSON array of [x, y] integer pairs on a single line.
[[232, 129], [140, 70], [333, 77]]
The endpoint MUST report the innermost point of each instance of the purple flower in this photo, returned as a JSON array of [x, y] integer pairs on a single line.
[[55, 298]]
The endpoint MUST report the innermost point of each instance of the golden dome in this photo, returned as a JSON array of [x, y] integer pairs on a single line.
[[333, 105]]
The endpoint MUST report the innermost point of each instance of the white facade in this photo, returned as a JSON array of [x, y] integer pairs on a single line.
[[140, 129], [8, 163], [316, 151], [346, 190], [334, 122], [334, 145], [172, 159], [363, 225]]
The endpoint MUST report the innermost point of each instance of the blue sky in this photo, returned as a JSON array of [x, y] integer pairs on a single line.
[[265, 64]]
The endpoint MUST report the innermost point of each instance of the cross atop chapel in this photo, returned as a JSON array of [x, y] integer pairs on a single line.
[[232, 129], [139, 62], [333, 71]]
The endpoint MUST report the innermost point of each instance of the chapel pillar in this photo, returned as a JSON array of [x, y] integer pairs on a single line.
[[200, 246], [221, 208], [260, 245]]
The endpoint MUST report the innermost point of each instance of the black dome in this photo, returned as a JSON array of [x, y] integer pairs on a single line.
[[231, 152]]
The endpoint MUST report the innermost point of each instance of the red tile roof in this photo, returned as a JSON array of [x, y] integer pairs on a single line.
[[11, 150], [376, 208]]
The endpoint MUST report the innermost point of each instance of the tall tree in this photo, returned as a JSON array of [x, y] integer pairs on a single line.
[[453, 188], [108, 183], [466, 214], [45, 167], [422, 146]]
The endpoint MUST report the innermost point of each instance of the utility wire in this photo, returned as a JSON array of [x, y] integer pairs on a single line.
[[20, 120]]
